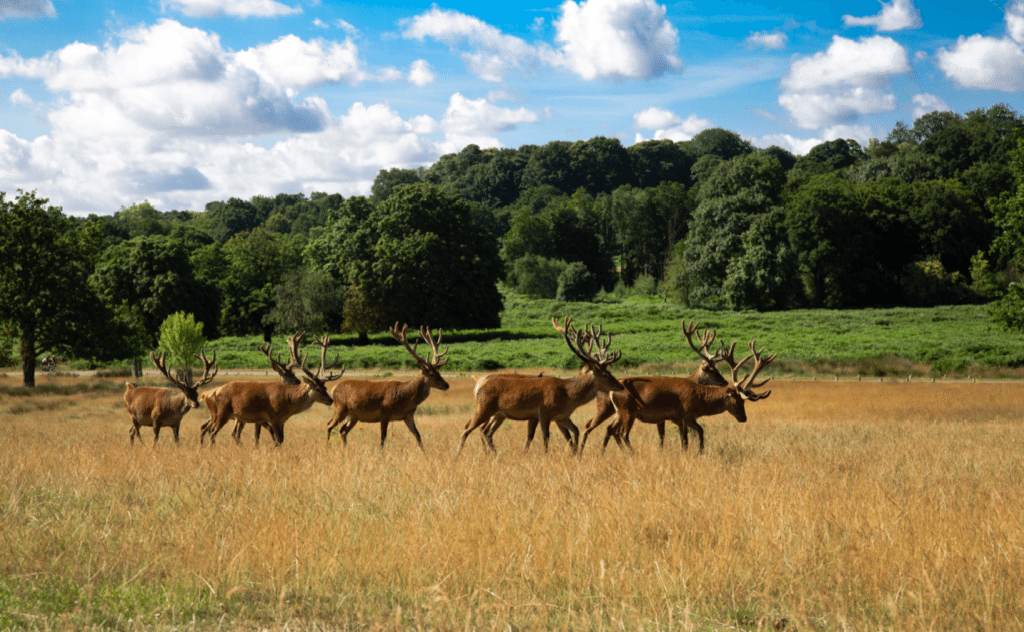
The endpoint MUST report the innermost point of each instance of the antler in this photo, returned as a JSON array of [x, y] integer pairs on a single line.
[[582, 343], [287, 371], [184, 383], [323, 344], [212, 362], [437, 359], [759, 363], [746, 384], [706, 339]]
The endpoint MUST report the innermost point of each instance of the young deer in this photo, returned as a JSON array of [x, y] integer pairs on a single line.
[[270, 404], [159, 407], [682, 401], [374, 402], [707, 373], [542, 400]]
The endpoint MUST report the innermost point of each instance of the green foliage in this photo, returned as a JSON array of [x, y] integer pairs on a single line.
[[576, 283], [308, 300], [45, 259], [418, 258], [386, 181], [257, 261], [536, 276], [1009, 310], [927, 283], [153, 275], [182, 338]]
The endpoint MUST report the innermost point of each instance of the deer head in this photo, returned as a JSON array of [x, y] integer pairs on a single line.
[[583, 343], [183, 382], [429, 370]]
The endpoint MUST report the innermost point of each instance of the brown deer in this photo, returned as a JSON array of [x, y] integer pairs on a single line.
[[270, 404], [159, 407], [682, 401], [374, 402], [286, 371], [707, 373], [542, 400]]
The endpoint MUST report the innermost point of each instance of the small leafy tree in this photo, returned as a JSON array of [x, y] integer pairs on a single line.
[[182, 337], [576, 283]]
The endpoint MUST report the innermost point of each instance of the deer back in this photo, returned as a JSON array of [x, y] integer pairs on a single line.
[[149, 403]]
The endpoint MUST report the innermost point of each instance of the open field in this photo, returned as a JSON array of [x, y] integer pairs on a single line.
[[839, 506]]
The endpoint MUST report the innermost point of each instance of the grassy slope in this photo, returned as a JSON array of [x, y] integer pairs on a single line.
[[872, 342]]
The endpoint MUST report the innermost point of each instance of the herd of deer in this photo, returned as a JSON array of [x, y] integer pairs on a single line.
[[538, 400]]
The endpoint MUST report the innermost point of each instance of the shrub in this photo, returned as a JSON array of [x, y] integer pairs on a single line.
[[576, 283], [537, 276]]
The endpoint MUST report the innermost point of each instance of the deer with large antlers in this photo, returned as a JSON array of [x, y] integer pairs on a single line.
[[374, 402], [271, 404], [158, 407], [542, 400], [707, 374], [682, 401], [285, 370]]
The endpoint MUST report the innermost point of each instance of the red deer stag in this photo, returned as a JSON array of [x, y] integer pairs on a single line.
[[286, 371], [707, 373], [682, 401], [271, 404], [542, 400], [164, 407], [374, 402]]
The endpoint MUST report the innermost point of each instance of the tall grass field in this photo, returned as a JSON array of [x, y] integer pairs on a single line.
[[840, 505]]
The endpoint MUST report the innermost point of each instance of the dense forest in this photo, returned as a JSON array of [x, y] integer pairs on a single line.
[[932, 214]]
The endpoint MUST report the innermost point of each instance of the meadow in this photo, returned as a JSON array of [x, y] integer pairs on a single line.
[[840, 505], [953, 340]]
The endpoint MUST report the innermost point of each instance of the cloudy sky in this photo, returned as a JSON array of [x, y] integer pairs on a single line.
[[180, 102]]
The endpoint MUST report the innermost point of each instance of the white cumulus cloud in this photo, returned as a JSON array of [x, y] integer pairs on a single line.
[[166, 113], [668, 125], [26, 9], [20, 97], [616, 39], [989, 63], [236, 8], [925, 103], [846, 81], [420, 73], [901, 14], [769, 39], [477, 120]]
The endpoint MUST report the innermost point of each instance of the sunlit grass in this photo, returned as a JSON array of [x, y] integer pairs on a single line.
[[839, 505]]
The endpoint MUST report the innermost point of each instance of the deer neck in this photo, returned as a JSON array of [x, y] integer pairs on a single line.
[[417, 389], [714, 399]]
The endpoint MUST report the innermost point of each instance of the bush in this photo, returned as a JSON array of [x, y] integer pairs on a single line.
[[537, 276], [576, 283], [1009, 310]]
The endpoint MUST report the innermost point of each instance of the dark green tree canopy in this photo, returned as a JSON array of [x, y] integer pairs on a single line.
[[418, 258]]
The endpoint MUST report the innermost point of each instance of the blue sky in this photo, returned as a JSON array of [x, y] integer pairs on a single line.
[[180, 102]]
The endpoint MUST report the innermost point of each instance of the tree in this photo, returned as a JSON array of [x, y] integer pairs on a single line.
[[657, 161], [388, 179], [308, 300], [182, 338], [576, 283], [417, 258], [256, 261], [1008, 213], [729, 200], [154, 276], [44, 262], [536, 276]]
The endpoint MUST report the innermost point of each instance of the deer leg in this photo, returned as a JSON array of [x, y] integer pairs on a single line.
[[156, 433], [339, 416], [487, 434], [345, 429], [531, 431], [596, 421], [479, 419], [277, 432], [411, 424], [692, 422], [175, 428], [383, 432], [570, 432], [661, 434], [545, 432]]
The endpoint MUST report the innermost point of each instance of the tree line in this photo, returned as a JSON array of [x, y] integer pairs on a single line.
[[931, 214]]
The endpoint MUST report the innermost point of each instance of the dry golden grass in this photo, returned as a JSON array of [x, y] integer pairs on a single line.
[[838, 506]]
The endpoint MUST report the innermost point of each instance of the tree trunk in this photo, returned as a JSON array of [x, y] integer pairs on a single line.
[[28, 356]]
